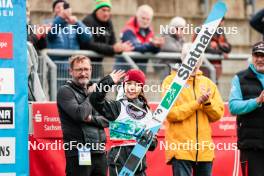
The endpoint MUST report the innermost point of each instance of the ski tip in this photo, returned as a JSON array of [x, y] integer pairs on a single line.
[[221, 5], [218, 12]]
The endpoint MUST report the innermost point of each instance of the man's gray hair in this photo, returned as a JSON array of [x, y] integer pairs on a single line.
[[145, 8]]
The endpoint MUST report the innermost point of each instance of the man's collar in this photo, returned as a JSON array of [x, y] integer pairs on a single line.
[[252, 67]]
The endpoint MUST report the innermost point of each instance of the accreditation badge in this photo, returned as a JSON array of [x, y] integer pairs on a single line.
[[84, 156]]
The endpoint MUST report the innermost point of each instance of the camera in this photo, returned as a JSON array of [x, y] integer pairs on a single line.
[[66, 5]]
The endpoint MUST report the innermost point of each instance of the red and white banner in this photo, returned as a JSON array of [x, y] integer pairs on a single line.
[[226, 126], [47, 130], [46, 121], [6, 45]]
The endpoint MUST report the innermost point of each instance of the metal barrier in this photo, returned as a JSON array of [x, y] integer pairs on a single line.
[[49, 76], [57, 70]]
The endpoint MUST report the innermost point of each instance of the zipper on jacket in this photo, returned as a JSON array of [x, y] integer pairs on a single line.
[[117, 155], [99, 133], [196, 112]]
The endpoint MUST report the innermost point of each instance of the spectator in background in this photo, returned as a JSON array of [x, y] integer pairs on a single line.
[[57, 7], [66, 36], [37, 39], [35, 90], [174, 39], [218, 44], [139, 32], [247, 102], [189, 119], [257, 22], [104, 40], [34, 36]]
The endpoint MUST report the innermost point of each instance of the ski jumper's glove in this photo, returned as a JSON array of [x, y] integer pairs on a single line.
[[153, 144], [146, 136]]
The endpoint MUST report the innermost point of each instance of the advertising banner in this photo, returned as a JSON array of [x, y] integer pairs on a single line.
[[46, 121], [13, 89], [226, 126]]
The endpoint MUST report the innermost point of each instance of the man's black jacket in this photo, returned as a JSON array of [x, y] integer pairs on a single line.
[[74, 109], [101, 43]]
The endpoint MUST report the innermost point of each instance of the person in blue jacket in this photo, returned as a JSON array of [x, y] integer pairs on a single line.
[[247, 102], [66, 32], [257, 22]]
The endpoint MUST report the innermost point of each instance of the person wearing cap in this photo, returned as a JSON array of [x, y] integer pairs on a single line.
[[174, 39], [246, 101], [104, 39], [128, 116], [188, 122], [138, 30]]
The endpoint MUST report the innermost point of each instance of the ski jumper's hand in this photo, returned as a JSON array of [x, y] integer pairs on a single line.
[[146, 136], [117, 75]]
